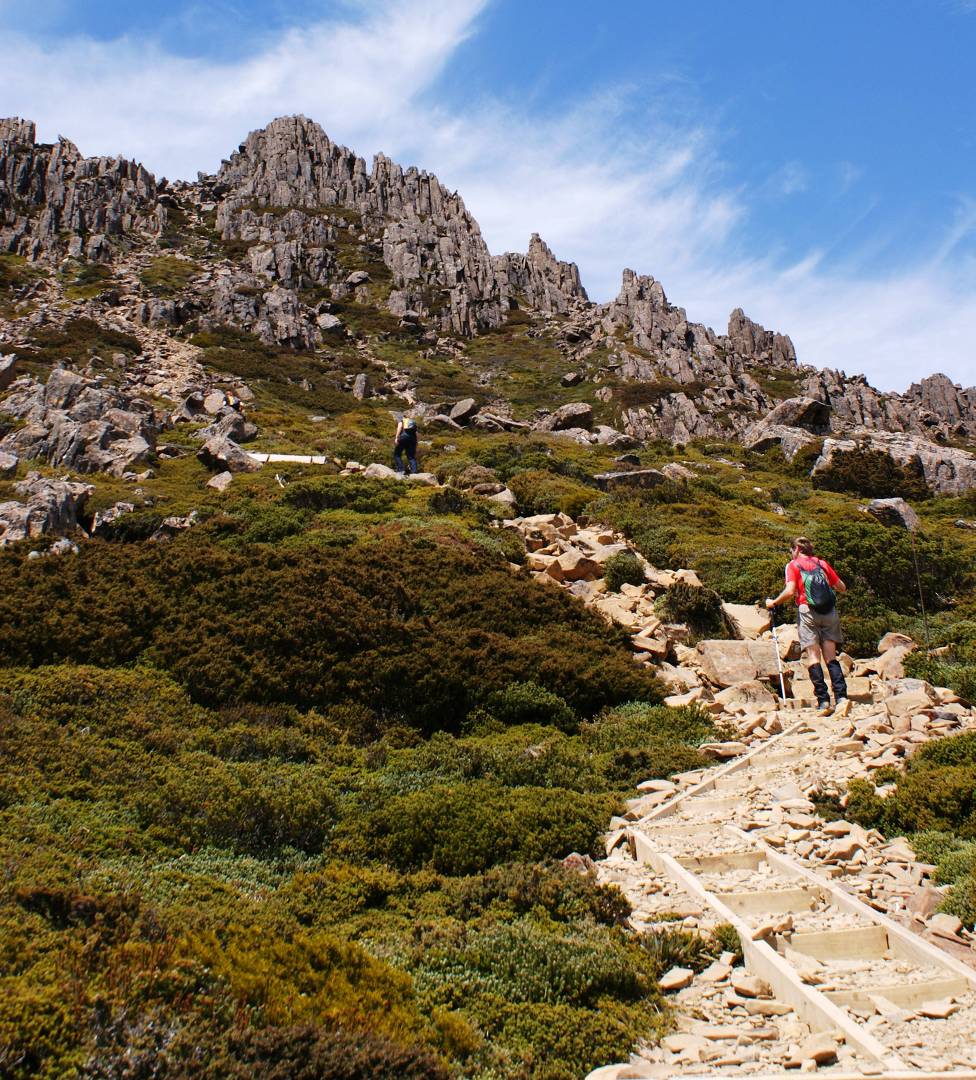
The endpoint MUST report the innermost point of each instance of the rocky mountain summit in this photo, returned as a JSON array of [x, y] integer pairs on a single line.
[[300, 250]]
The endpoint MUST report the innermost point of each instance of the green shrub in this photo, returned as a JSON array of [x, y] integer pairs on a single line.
[[873, 474], [529, 703], [954, 750], [961, 901], [254, 808], [877, 562], [542, 492], [677, 947], [943, 799], [416, 631], [515, 889], [78, 341], [524, 962], [700, 608], [562, 1042], [932, 845], [959, 677], [956, 864], [467, 828], [864, 805], [356, 493], [624, 568]]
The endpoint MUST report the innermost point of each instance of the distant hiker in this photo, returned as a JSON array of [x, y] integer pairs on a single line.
[[813, 584], [405, 442]]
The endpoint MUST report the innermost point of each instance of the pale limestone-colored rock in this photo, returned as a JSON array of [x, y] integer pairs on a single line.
[[221, 481], [944, 925], [677, 978], [716, 972], [892, 639], [751, 693], [938, 1010], [376, 471], [751, 620], [759, 1007], [726, 663], [819, 1048], [908, 702], [750, 986]]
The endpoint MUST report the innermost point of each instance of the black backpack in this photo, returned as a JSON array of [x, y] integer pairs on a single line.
[[820, 596]]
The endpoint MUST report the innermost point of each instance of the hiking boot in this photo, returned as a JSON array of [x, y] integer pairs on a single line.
[[825, 709], [843, 707]]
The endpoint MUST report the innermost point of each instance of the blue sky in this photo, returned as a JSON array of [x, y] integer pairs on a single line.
[[813, 163]]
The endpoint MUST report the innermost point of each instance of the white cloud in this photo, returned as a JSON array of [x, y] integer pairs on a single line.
[[603, 189]]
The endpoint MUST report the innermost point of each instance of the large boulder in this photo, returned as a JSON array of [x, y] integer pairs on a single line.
[[801, 412], [221, 454], [575, 414], [463, 410], [893, 512], [634, 478], [764, 436], [750, 619], [728, 663]]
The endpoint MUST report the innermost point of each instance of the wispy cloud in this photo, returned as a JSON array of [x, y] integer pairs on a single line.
[[617, 179]]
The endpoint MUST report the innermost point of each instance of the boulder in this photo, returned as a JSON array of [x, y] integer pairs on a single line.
[[893, 639], [801, 412], [750, 619], [894, 512], [571, 378], [764, 436], [8, 370], [8, 465], [575, 414], [506, 498], [678, 473], [463, 410], [49, 506], [360, 386], [635, 478], [751, 693], [376, 471], [357, 277], [214, 402], [728, 663], [221, 481], [221, 454], [326, 321]]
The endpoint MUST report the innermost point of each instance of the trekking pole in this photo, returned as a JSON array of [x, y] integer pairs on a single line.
[[779, 659]]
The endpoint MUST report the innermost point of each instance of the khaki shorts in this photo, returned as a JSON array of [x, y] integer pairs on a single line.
[[816, 628]]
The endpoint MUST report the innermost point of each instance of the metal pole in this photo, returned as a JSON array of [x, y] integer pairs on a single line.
[[779, 659]]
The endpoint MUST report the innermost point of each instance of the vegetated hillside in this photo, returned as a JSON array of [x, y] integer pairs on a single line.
[[291, 758]]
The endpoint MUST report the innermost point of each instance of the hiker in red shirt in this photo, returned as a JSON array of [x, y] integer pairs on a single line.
[[813, 584]]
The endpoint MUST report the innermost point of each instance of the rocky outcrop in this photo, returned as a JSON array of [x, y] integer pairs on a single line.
[[49, 506], [438, 262], [55, 202], [539, 280], [947, 470], [78, 422]]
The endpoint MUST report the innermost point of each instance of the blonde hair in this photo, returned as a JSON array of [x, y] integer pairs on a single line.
[[804, 544]]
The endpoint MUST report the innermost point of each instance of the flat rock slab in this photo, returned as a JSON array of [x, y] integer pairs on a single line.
[[676, 979]]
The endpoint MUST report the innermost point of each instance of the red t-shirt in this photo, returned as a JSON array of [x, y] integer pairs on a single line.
[[808, 563]]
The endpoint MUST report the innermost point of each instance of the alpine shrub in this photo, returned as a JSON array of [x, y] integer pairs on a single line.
[[624, 568], [529, 703]]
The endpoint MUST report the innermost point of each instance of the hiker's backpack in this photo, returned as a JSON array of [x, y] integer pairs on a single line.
[[820, 596]]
